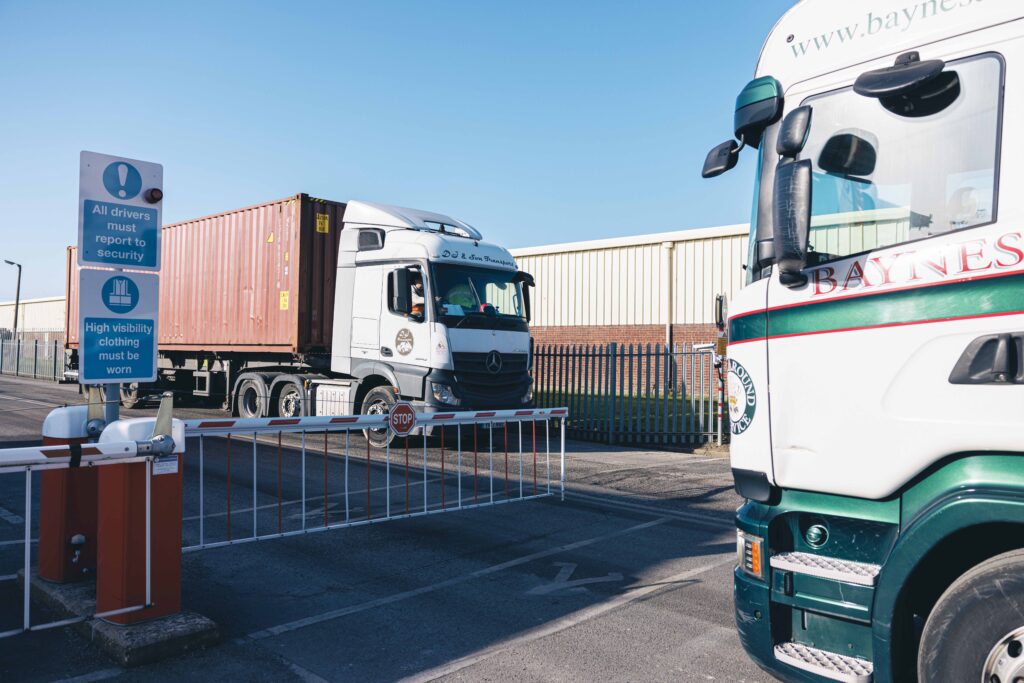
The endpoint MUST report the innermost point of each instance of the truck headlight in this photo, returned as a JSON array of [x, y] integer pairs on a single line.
[[528, 396], [444, 394], [750, 554]]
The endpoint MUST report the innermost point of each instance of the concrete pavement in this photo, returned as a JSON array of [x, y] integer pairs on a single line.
[[628, 579]]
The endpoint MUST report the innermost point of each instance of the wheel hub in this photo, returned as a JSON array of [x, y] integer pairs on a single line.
[[1005, 661]]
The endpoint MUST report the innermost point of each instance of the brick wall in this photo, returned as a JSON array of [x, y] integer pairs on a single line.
[[624, 334]]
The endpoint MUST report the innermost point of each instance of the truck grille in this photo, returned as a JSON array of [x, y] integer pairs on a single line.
[[477, 383]]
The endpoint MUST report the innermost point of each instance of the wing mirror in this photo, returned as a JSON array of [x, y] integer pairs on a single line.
[[720, 159], [758, 106], [791, 217], [527, 281], [793, 132], [400, 289]]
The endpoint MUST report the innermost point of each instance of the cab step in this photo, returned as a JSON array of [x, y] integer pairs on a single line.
[[860, 573], [828, 665]]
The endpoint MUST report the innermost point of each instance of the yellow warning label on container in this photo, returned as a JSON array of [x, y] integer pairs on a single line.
[[270, 237], [323, 222], [283, 303]]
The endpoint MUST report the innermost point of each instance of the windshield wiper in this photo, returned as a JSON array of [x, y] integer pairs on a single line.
[[465, 317]]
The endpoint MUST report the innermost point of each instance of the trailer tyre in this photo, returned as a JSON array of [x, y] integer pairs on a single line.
[[975, 632], [251, 399], [378, 401]]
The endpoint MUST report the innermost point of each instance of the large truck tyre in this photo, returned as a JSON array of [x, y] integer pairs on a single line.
[[291, 400], [976, 630], [251, 397], [378, 401]]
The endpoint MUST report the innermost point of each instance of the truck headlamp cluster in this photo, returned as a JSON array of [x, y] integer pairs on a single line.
[[444, 394], [750, 554]]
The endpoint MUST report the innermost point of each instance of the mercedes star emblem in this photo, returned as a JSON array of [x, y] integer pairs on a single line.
[[493, 363]]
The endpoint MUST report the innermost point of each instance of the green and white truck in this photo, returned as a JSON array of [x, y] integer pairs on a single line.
[[876, 352]]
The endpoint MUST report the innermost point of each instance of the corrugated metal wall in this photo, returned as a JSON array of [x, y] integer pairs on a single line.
[[34, 314], [625, 282]]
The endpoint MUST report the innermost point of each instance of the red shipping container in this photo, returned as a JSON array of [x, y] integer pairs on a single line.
[[258, 279]]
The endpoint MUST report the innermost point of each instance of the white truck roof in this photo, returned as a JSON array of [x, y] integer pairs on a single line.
[[402, 218], [817, 37]]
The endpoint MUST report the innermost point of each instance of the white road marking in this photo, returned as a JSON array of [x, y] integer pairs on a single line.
[[10, 517], [716, 523], [101, 675], [454, 581], [564, 623], [561, 581]]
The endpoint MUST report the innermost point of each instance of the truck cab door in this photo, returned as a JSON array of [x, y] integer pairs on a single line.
[[368, 291], [405, 339]]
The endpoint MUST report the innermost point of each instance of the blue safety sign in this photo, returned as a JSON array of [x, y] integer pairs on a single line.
[[118, 316], [119, 208]]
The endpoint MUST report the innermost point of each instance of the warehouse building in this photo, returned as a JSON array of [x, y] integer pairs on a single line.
[[37, 318], [647, 289]]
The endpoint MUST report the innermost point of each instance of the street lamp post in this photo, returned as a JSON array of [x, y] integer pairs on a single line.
[[17, 297]]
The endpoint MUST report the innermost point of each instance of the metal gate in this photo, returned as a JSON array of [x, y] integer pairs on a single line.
[[637, 395]]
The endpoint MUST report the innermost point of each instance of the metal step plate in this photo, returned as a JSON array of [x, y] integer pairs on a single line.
[[829, 665], [861, 573]]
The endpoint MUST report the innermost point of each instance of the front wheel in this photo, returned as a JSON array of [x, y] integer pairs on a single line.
[[975, 632], [378, 401]]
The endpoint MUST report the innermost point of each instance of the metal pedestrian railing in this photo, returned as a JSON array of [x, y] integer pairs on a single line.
[[36, 358], [636, 395], [310, 474], [26, 462]]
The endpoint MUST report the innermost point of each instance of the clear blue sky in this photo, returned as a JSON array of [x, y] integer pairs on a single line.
[[537, 122]]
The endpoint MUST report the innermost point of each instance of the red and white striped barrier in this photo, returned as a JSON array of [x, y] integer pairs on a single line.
[[320, 423]]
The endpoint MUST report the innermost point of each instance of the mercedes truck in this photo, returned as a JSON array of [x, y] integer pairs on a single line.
[[876, 351], [303, 306]]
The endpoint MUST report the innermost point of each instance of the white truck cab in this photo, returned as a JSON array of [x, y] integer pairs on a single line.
[[425, 306], [876, 353]]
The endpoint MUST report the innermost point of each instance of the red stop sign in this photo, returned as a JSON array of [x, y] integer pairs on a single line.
[[402, 418]]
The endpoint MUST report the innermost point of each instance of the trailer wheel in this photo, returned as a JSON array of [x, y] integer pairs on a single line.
[[291, 401], [251, 399], [378, 401], [975, 632]]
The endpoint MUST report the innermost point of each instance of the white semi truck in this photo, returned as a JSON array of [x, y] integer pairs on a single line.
[[876, 352], [304, 306]]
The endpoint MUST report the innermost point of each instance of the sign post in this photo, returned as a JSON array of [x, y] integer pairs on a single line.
[[119, 219]]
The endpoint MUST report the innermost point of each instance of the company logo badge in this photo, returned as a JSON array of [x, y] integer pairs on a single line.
[[403, 341], [742, 398], [493, 362]]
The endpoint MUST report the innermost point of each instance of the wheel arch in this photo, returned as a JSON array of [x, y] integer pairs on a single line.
[[956, 532]]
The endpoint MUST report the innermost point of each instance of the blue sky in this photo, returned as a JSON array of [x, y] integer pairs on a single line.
[[537, 122]]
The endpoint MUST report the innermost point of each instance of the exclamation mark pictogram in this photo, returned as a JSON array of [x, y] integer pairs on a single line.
[[122, 177]]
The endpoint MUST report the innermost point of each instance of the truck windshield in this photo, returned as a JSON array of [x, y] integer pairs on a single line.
[[467, 296], [880, 178]]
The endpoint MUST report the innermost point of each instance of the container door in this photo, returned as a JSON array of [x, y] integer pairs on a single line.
[[405, 340], [366, 304], [886, 360]]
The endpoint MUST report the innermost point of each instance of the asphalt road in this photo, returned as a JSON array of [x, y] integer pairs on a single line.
[[628, 579]]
